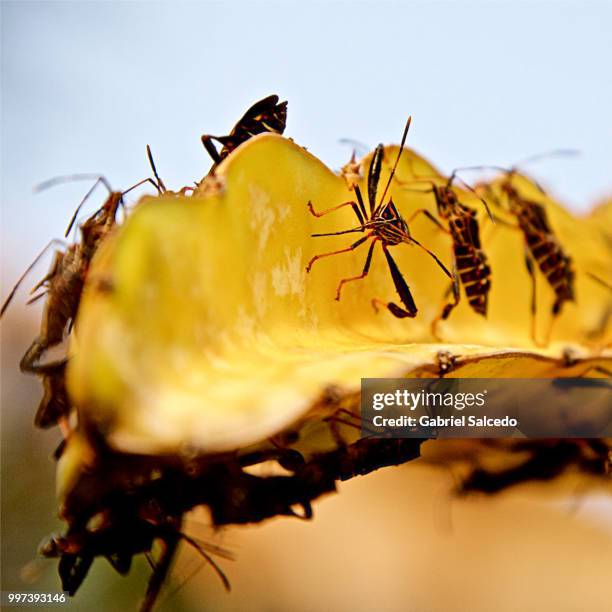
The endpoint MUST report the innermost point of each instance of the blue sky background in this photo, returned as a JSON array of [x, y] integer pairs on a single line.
[[85, 85]]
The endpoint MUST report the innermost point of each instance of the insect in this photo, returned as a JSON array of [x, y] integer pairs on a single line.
[[546, 459], [383, 224], [543, 249], [63, 285], [118, 538], [267, 115], [471, 269]]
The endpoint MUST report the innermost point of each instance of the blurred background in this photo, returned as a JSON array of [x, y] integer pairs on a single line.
[[86, 85]]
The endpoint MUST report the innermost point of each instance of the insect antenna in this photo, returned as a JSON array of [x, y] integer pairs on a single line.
[[483, 167], [28, 270], [138, 184], [78, 208], [68, 178], [510, 172], [540, 156], [454, 176], [399, 155], [358, 147], [160, 184]]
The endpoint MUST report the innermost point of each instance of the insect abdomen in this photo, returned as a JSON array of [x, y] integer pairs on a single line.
[[474, 274], [555, 265]]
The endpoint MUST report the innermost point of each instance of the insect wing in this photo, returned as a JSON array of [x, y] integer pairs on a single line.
[[374, 176], [267, 115], [400, 285]]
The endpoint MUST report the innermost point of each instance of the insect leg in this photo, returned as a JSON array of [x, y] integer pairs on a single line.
[[350, 248], [497, 221], [208, 559], [533, 306], [34, 353], [35, 298], [599, 280], [352, 204], [402, 290], [598, 369], [555, 312], [425, 212], [28, 270], [53, 270], [55, 404], [73, 568], [162, 567], [210, 148], [449, 307], [435, 258], [366, 269], [348, 231]]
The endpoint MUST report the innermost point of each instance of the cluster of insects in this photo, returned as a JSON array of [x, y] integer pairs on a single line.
[[131, 524], [64, 282], [63, 285], [123, 532], [471, 272]]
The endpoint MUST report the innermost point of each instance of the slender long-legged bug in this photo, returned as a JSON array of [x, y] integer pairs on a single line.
[[542, 247], [63, 285], [471, 267], [383, 224], [267, 115]]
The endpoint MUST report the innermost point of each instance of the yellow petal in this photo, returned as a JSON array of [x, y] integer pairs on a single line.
[[200, 330]]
